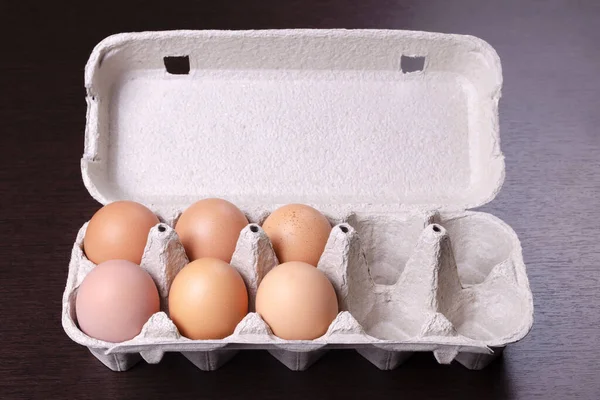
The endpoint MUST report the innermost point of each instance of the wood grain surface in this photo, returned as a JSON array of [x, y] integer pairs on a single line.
[[550, 121]]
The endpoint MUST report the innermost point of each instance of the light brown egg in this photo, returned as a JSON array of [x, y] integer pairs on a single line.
[[210, 228], [297, 301], [115, 300], [298, 233], [208, 298], [118, 230]]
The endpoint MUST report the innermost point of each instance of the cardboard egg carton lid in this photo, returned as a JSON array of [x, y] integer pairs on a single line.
[[361, 120]]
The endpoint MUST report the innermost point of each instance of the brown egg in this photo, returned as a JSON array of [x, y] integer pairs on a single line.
[[297, 301], [210, 228], [118, 230], [298, 233], [115, 300], [207, 300]]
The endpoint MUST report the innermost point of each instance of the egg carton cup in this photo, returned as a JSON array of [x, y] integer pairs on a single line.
[[393, 135], [388, 309]]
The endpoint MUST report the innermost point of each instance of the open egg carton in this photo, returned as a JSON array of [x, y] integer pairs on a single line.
[[393, 135]]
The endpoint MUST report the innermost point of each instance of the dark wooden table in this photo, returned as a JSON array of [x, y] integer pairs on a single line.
[[550, 122]]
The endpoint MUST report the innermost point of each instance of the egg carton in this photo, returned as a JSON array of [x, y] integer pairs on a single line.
[[392, 134]]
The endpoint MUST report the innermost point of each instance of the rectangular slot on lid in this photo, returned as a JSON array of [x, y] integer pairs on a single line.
[[412, 64], [179, 65]]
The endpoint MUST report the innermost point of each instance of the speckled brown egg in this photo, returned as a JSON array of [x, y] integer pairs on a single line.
[[210, 228], [298, 233], [118, 230]]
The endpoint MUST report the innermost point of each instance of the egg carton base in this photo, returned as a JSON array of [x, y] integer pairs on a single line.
[[385, 337]]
